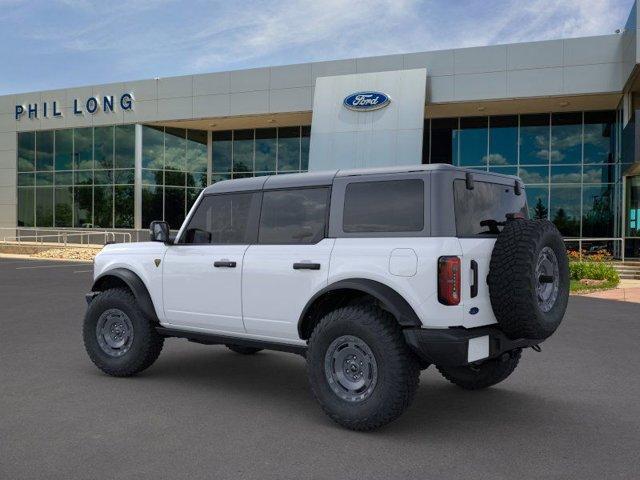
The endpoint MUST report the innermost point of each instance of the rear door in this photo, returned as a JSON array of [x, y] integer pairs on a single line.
[[289, 263], [202, 273], [480, 214]]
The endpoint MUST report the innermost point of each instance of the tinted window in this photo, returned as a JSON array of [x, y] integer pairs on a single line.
[[483, 210], [223, 219], [389, 206], [294, 216]]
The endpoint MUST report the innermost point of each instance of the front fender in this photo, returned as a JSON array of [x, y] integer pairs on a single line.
[[135, 284]]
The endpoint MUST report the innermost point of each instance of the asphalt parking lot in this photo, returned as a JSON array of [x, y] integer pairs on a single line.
[[572, 411]]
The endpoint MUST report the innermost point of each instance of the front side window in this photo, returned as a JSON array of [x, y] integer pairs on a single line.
[[483, 210], [297, 216], [225, 219], [386, 206]]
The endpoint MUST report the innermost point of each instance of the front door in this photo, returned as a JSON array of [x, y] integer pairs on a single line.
[[289, 263], [202, 272]]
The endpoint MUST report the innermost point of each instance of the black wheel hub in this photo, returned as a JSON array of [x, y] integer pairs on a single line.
[[114, 332], [351, 368]]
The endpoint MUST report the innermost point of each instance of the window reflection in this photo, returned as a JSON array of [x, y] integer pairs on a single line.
[[538, 202], [534, 139], [597, 211], [599, 141], [242, 151], [472, 141], [570, 174], [565, 209], [566, 138], [503, 140], [443, 146]]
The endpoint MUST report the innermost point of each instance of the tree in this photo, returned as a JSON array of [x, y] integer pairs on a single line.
[[540, 211]]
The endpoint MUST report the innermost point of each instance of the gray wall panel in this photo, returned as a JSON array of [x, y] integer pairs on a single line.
[[290, 100], [480, 85], [437, 63], [249, 80], [480, 59], [535, 55], [291, 76], [539, 81]]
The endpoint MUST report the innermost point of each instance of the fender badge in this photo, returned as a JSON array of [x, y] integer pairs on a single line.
[[474, 310], [157, 262]]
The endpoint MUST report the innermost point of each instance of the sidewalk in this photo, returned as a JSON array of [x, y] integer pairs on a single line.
[[627, 291]]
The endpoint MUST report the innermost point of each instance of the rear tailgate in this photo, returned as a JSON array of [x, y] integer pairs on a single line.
[[476, 256]]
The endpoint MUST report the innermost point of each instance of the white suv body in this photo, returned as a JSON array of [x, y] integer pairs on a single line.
[[265, 262], [263, 297]]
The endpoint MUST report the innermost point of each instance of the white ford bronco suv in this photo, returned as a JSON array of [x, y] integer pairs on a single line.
[[372, 275]]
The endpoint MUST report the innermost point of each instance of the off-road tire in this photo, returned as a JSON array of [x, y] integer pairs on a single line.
[[146, 344], [512, 279], [241, 349], [398, 370], [484, 375]]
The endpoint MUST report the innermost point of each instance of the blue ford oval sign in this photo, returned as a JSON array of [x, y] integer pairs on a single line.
[[366, 101]]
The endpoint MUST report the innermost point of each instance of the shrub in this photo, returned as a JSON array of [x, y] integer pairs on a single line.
[[594, 271]]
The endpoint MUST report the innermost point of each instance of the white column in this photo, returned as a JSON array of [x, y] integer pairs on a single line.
[[137, 195]]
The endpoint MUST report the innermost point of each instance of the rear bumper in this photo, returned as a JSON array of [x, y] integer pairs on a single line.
[[454, 347]]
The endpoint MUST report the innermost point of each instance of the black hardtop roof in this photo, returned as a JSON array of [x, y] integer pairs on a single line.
[[320, 178]]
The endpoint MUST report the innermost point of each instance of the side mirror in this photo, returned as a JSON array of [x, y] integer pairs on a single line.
[[159, 231]]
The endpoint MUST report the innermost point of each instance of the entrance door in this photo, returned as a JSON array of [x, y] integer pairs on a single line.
[[202, 273], [632, 216]]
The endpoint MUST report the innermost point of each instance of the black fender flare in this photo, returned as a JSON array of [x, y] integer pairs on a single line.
[[135, 284], [387, 296]]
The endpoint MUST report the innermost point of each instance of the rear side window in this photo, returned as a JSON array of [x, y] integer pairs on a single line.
[[483, 210], [223, 220], [386, 206], [296, 216]]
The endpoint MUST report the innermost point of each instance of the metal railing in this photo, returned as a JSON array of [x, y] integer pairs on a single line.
[[82, 238]]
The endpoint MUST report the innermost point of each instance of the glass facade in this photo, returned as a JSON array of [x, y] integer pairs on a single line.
[[174, 171], [85, 177], [262, 151], [569, 162], [81, 177]]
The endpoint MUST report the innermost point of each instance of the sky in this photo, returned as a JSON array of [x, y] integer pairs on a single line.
[[48, 44]]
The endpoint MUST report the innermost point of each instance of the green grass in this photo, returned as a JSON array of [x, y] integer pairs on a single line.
[[577, 287]]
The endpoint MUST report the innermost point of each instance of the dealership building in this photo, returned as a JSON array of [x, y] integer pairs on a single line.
[[558, 113]]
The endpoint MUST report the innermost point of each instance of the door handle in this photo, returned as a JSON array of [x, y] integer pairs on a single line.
[[306, 266], [224, 264], [474, 272]]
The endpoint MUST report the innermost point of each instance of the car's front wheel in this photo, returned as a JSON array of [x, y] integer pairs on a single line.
[[118, 337], [360, 369]]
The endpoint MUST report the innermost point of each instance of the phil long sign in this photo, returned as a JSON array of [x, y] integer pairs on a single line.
[[91, 105], [368, 120]]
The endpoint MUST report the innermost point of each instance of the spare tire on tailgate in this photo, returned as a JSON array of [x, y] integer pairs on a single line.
[[529, 278]]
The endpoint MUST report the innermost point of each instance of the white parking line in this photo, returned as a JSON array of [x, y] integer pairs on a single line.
[[83, 271], [49, 266]]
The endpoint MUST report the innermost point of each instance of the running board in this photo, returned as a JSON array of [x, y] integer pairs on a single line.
[[216, 339]]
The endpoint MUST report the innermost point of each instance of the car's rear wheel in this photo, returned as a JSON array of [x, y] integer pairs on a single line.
[[118, 337], [360, 369], [476, 377]]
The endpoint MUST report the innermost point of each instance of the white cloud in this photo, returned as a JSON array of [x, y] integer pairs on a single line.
[[140, 39]]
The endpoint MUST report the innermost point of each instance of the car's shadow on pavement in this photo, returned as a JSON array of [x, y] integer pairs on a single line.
[[277, 382]]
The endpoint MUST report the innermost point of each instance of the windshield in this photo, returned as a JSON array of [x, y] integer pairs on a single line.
[[483, 210]]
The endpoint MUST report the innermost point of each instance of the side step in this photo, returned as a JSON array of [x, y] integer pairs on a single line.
[[216, 339]]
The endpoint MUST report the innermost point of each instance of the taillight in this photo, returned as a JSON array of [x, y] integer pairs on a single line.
[[449, 280]]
